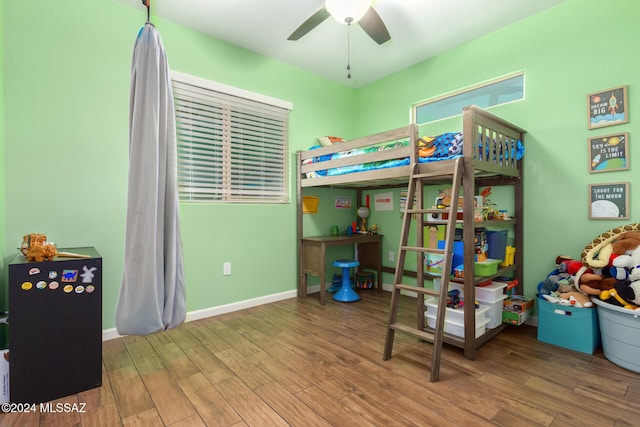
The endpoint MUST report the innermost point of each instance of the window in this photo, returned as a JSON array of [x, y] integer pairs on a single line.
[[232, 144], [496, 92]]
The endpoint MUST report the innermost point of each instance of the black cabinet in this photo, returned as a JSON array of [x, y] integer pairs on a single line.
[[55, 326]]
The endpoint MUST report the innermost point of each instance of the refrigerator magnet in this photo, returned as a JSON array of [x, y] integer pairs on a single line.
[[69, 276]]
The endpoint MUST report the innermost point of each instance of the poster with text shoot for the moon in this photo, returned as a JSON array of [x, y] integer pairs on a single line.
[[609, 201], [608, 107], [609, 153]]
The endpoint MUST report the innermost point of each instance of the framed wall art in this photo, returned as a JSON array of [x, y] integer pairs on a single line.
[[609, 153], [343, 202], [609, 201], [608, 107]]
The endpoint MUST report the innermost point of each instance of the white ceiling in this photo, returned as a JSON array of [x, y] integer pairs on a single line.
[[419, 29]]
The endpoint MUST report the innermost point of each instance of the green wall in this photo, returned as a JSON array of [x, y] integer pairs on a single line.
[[67, 71], [3, 288], [566, 52], [66, 90]]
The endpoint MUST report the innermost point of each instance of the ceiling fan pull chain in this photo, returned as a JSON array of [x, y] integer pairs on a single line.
[[349, 20]]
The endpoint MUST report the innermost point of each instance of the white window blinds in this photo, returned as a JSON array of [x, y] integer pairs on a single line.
[[232, 144]]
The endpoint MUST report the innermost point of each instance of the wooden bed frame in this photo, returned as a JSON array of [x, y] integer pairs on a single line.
[[483, 132]]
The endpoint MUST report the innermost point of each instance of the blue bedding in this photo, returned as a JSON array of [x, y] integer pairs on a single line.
[[446, 146]]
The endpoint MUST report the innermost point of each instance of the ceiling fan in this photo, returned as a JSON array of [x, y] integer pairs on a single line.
[[347, 12]]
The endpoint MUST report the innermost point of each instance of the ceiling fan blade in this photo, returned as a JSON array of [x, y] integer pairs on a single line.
[[308, 25], [372, 24]]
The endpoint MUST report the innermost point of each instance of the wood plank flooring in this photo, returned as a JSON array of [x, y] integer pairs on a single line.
[[298, 363]]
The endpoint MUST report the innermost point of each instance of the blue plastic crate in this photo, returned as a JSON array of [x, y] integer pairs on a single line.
[[575, 328], [497, 242], [458, 252]]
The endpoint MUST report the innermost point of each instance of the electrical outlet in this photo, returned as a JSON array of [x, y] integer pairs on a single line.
[[391, 256], [226, 267]]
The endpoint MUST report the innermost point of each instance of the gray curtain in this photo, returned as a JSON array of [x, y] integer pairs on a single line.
[[152, 295]]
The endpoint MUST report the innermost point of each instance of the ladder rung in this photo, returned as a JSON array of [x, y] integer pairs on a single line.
[[443, 211], [437, 174], [441, 222], [430, 211], [418, 289], [421, 249], [425, 335]]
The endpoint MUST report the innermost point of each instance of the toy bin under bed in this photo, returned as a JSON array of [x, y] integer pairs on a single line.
[[620, 333]]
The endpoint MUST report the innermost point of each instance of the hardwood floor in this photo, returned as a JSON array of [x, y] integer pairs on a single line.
[[298, 363]]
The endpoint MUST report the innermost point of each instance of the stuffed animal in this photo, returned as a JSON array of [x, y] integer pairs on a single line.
[[622, 264], [328, 140], [559, 282], [41, 253], [593, 283], [570, 266], [597, 253], [35, 247], [634, 274], [631, 293], [583, 278], [615, 296], [626, 242], [577, 299]]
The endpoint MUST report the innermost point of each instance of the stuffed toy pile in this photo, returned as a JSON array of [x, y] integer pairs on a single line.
[[609, 269]]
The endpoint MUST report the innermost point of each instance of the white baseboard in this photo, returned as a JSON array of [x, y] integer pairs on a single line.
[[109, 334]]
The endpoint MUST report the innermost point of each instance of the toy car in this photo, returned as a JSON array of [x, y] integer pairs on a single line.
[[453, 298]]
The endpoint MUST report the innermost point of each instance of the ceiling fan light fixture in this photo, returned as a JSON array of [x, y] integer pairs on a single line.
[[347, 11]]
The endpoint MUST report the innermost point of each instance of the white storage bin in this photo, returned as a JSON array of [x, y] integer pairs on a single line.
[[494, 314], [457, 328], [487, 293], [455, 315]]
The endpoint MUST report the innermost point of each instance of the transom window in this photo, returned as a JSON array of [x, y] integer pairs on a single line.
[[496, 92]]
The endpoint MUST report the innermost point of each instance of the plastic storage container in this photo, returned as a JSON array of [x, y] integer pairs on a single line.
[[497, 242], [433, 264], [487, 268], [364, 280], [457, 328], [486, 293], [489, 296], [458, 252], [454, 318], [494, 314], [620, 331]]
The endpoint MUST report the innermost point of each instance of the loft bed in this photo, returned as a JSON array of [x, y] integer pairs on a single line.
[[492, 151], [384, 159]]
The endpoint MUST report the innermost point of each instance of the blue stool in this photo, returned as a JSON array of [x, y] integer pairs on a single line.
[[345, 293]]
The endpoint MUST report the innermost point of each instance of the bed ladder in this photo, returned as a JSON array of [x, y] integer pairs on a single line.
[[435, 335]]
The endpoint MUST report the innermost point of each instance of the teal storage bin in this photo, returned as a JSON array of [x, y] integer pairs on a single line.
[[575, 328]]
